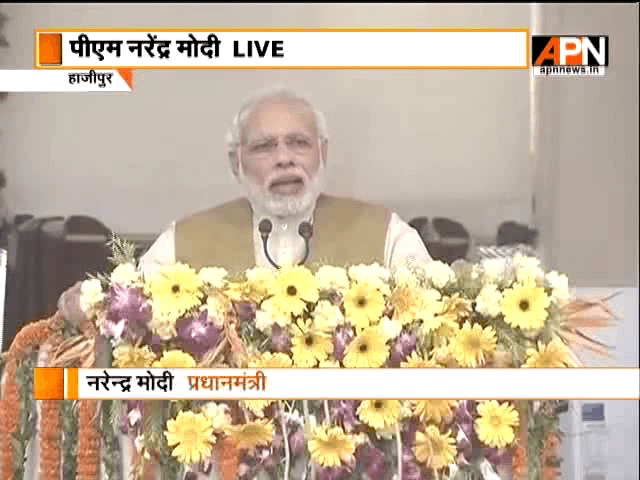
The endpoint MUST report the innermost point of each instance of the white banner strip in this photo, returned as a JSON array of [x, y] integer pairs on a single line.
[[410, 383], [62, 81], [138, 49]]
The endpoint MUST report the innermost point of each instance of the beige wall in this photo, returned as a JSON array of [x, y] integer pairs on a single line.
[[452, 143], [588, 149], [422, 142]]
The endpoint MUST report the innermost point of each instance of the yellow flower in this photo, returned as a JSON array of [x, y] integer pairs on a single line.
[[260, 279], [176, 288], [390, 328], [552, 355], [363, 305], [405, 277], [472, 345], [257, 406], [379, 414], [272, 360], [192, 434], [417, 361], [332, 278], [326, 316], [495, 426], [525, 306], [367, 350], [329, 364], [129, 356], [268, 314], [435, 410], [310, 346], [434, 449], [219, 414], [407, 303], [251, 434], [331, 447], [175, 359], [293, 287]]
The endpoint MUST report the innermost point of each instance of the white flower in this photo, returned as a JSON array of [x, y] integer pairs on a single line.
[[260, 278], [327, 316], [125, 274], [439, 273], [374, 275], [213, 277], [405, 277], [219, 414], [527, 269], [488, 301], [163, 323], [559, 286], [134, 417], [91, 295], [332, 278], [267, 315], [390, 328], [495, 269]]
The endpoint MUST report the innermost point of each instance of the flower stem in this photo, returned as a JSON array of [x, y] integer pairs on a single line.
[[399, 443], [327, 414], [307, 427], [285, 434]]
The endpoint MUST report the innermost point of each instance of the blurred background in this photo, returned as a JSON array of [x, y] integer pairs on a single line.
[[478, 161]]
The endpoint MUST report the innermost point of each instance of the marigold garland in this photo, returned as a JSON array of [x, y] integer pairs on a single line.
[[88, 441], [28, 338], [50, 440]]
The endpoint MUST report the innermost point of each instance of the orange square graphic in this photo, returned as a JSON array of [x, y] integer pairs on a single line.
[[49, 49], [48, 383]]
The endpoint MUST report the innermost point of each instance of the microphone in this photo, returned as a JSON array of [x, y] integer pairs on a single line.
[[265, 227], [305, 230]]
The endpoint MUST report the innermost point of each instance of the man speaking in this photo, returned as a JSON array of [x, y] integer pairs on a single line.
[[277, 148]]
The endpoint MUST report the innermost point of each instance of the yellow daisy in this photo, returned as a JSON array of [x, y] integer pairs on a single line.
[[257, 406], [175, 287], [251, 434], [292, 288], [434, 449], [175, 359], [471, 345], [417, 361], [363, 305], [331, 447], [495, 426], [407, 303], [525, 306], [129, 356], [552, 355], [332, 278], [272, 360], [367, 350], [327, 317], [435, 410], [309, 345], [379, 414], [192, 434]]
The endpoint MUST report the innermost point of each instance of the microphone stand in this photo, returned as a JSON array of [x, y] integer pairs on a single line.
[[305, 230]]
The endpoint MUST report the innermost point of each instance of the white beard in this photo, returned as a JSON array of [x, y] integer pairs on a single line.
[[282, 205]]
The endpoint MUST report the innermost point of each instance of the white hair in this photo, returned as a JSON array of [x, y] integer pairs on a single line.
[[234, 135]]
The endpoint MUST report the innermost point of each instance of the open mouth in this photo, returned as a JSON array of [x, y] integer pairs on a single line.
[[287, 184]]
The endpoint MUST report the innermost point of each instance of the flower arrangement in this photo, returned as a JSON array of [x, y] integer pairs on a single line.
[[498, 313]]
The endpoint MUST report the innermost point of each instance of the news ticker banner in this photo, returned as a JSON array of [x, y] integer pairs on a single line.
[[26, 81], [282, 48], [342, 383]]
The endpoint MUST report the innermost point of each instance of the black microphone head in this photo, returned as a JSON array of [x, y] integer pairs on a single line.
[[305, 230], [265, 226]]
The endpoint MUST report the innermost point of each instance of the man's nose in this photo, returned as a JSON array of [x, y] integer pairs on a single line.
[[283, 155]]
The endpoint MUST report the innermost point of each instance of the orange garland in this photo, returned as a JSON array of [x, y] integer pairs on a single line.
[[88, 441], [30, 337], [50, 429]]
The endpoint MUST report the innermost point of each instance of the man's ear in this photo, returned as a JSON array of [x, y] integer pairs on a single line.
[[324, 149], [234, 160]]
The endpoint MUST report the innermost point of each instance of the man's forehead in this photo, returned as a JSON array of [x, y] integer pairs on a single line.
[[280, 115]]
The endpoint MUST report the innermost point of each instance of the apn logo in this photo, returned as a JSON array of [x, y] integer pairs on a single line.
[[581, 55]]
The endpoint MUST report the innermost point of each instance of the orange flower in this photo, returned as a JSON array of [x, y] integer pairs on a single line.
[[50, 430], [519, 463], [88, 455]]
